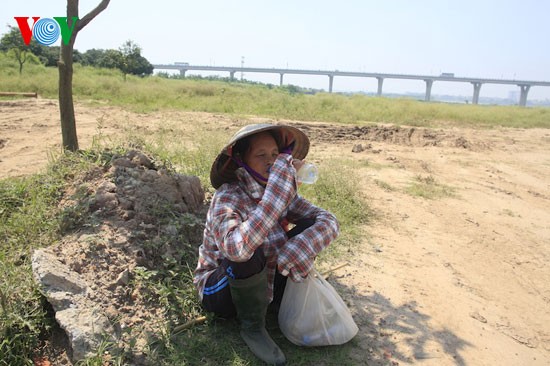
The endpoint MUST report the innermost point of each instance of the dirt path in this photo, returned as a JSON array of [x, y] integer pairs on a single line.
[[461, 279]]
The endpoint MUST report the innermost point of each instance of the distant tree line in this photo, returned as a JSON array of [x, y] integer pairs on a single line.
[[290, 88], [127, 58]]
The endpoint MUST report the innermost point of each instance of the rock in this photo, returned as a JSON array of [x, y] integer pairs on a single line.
[[54, 276], [106, 200], [123, 162], [147, 226], [107, 186], [477, 316], [191, 190], [149, 176], [61, 299], [125, 203], [140, 258], [140, 158], [127, 215], [462, 142], [86, 329], [123, 278], [66, 291], [357, 148]]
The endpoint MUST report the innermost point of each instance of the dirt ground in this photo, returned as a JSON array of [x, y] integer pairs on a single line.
[[462, 279]]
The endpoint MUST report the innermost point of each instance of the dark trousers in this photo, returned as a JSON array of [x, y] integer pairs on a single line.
[[217, 295]]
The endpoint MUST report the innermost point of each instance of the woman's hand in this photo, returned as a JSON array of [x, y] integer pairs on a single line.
[[297, 163]]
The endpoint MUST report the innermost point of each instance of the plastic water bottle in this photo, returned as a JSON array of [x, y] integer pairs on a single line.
[[308, 174]]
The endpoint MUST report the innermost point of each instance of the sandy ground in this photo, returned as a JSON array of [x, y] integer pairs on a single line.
[[456, 280]]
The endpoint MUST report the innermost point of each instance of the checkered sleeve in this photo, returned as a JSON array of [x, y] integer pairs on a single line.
[[296, 257], [240, 234]]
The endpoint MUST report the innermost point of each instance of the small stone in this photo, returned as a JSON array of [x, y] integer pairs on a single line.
[[123, 278], [106, 200], [123, 162], [128, 214], [478, 316], [107, 187]]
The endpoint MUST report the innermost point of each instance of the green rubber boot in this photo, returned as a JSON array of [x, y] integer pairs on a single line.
[[250, 299]]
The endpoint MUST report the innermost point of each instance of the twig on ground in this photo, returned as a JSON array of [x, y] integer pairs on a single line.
[[189, 324], [329, 271]]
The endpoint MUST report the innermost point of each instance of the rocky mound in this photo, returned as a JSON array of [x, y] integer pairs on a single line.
[[408, 136], [124, 220]]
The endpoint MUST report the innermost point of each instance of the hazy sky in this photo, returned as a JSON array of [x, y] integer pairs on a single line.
[[482, 38]]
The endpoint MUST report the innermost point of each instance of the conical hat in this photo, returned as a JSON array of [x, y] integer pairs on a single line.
[[223, 168]]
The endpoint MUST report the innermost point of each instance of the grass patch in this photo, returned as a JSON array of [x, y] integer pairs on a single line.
[[429, 188], [375, 165], [337, 191], [218, 343], [156, 93], [29, 218], [384, 185], [193, 158]]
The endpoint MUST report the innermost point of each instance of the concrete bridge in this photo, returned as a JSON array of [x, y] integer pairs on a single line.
[[524, 85]]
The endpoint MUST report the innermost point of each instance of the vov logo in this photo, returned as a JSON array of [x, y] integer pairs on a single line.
[[46, 30]]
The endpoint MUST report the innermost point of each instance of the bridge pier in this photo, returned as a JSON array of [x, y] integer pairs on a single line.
[[523, 96], [380, 82], [330, 81], [524, 85], [477, 88], [429, 83]]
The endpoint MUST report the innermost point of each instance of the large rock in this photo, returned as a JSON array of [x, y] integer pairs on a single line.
[[86, 328], [84, 324]]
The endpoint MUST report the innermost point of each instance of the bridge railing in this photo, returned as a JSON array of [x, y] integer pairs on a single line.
[[524, 85]]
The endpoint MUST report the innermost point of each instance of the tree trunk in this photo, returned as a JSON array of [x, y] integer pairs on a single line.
[[65, 67], [66, 105], [20, 59]]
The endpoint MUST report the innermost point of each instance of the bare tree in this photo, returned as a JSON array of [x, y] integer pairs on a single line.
[[13, 43], [65, 66]]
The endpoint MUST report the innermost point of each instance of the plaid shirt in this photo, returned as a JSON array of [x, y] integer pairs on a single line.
[[244, 215]]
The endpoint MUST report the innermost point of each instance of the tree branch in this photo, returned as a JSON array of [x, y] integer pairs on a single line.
[[189, 324], [91, 15]]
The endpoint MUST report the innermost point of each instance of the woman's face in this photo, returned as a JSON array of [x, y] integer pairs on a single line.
[[261, 153]]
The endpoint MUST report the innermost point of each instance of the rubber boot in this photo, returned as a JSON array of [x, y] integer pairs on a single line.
[[250, 299]]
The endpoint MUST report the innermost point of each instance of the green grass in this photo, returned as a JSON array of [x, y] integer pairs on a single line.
[[337, 191], [384, 185], [27, 221], [429, 188], [30, 219], [155, 93]]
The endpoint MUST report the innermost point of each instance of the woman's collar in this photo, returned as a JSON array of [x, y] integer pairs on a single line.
[[250, 185]]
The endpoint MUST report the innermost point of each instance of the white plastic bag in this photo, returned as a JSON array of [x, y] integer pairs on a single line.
[[313, 314]]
